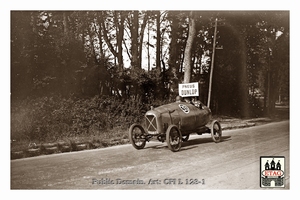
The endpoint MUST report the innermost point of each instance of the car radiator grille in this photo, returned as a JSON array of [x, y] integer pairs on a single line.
[[151, 124]]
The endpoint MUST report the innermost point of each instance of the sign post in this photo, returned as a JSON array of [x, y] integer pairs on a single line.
[[212, 64], [212, 61]]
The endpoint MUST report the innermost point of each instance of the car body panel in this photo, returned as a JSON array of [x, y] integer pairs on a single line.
[[186, 116]]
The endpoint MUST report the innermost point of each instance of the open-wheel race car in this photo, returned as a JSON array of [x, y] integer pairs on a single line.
[[173, 123]]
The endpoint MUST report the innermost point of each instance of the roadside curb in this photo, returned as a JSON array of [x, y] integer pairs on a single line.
[[72, 146], [62, 147], [245, 125], [228, 124]]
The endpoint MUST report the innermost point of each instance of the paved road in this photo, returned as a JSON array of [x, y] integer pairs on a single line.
[[203, 164]]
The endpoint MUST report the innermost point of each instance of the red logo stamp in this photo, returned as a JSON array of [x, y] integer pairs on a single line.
[[272, 171]]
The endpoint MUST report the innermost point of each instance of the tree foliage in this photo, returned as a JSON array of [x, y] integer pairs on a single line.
[[140, 56]]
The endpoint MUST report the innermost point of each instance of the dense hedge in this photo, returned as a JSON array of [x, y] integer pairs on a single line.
[[52, 118]]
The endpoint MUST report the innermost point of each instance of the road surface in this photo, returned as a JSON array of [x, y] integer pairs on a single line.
[[233, 163]]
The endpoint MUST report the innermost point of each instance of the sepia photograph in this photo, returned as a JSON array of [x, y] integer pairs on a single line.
[[150, 99]]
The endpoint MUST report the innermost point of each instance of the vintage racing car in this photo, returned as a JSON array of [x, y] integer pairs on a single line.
[[173, 123]]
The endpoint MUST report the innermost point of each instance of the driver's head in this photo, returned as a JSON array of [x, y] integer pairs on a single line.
[[178, 99]]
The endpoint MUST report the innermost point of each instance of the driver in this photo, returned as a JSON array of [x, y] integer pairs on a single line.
[[188, 100], [197, 103], [178, 99]]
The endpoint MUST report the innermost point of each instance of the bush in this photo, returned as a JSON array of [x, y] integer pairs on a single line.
[[54, 118], [255, 106]]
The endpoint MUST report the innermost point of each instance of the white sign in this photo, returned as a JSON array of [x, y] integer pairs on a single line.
[[189, 89]]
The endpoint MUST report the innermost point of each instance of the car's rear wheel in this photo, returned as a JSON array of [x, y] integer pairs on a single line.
[[173, 138], [216, 131], [137, 136]]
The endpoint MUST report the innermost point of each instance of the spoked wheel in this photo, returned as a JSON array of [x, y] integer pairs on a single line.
[[174, 138], [137, 136], [216, 131], [185, 138]]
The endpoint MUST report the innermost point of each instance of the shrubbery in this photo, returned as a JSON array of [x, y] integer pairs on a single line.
[[53, 118], [255, 106]]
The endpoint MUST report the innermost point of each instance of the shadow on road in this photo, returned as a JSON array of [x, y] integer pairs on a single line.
[[190, 144], [203, 141]]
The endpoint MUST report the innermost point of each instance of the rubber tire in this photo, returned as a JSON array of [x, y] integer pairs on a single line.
[[216, 131], [170, 138], [132, 136]]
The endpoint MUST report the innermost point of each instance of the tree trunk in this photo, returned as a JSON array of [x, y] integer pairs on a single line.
[[174, 55], [66, 28], [158, 41], [187, 62], [105, 33], [141, 38], [173, 44], [120, 31], [148, 48], [134, 38]]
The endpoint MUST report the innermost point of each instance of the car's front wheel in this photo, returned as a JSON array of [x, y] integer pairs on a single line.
[[137, 136]]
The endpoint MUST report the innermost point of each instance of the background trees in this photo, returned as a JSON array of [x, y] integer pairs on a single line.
[[140, 56]]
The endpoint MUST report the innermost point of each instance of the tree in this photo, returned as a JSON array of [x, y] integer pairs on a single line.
[[158, 50], [273, 56], [112, 25], [187, 62], [85, 52], [134, 16]]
